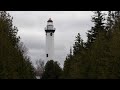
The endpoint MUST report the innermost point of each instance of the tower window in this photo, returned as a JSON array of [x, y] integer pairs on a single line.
[[46, 55], [50, 34]]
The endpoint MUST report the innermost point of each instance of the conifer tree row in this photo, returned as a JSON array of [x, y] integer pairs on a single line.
[[99, 57], [14, 64]]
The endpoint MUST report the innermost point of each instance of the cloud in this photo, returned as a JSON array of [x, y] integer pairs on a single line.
[[31, 26]]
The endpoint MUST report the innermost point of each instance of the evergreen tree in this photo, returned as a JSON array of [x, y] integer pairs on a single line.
[[52, 70], [102, 59], [98, 20], [14, 64], [116, 20], [109, 23], [72, 62], [67, 65], [78, 46]]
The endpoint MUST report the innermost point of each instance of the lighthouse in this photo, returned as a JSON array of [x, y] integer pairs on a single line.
[[49, 29]]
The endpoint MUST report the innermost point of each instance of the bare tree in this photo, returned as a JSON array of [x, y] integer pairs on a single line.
[[23, 48], [39, 67]]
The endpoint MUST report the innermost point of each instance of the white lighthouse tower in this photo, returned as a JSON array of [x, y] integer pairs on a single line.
[[49, 29]]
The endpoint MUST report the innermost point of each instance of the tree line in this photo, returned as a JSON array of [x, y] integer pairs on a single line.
[[14, 63], [97, 58]]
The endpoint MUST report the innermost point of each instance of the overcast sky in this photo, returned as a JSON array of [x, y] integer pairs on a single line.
[[31, 26]]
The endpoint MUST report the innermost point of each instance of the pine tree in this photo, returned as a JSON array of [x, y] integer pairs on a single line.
[[78, 46], [72, 62], [67, 65], [98, 20], [109, 23], [52, 70], [116, 20], [14, 64]]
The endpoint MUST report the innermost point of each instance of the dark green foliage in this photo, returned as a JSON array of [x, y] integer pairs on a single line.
[[14, 64], [78, 46], [71, 64], [109, 23], [98, 20], [101, 58], [52, 70]]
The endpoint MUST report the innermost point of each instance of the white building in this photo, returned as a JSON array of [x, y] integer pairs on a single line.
[[49, 40]]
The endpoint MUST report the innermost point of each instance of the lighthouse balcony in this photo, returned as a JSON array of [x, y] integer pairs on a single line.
[[49, 29]]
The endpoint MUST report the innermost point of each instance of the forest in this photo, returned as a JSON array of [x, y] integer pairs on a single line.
[[97, 58]]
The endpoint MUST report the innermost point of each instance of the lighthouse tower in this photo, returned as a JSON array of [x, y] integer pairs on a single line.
[[49, 29]]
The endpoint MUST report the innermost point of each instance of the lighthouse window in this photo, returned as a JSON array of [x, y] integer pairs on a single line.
[[46, 55], [50, 34]]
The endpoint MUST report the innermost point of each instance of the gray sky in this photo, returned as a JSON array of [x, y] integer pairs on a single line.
[[31, 26]]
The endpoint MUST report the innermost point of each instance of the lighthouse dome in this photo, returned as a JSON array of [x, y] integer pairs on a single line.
[[49, 20]]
